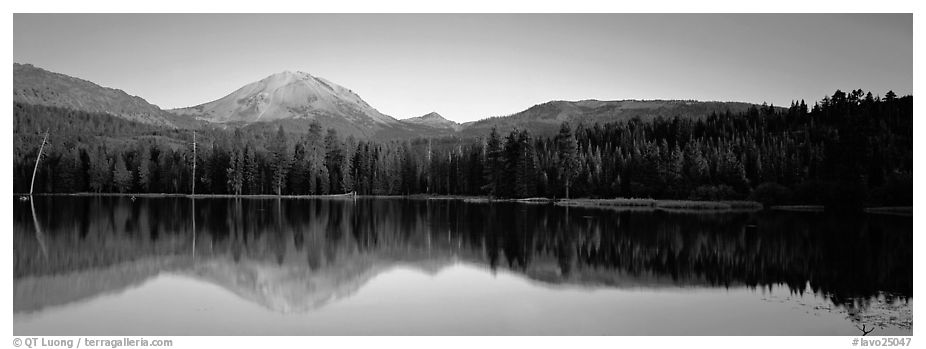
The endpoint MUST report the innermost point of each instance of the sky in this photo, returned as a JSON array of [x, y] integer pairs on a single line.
[[472, 66]]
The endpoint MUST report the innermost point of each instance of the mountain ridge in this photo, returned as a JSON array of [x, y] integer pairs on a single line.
[[433, 119], [545, 118], [294, 99], [34, 85]]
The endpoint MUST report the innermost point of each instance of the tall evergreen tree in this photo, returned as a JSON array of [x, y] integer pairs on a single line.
[[334, 162], [144, 169], [527, 166], [566, 152], [494, 163], [122, 177], [236, 172], [281, 160], [251, 172]]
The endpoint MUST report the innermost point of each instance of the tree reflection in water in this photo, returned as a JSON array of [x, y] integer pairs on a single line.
[[297, 254]]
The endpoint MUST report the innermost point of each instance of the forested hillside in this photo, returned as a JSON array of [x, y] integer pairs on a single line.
[[34, 85], [850, 149], [545, 118]]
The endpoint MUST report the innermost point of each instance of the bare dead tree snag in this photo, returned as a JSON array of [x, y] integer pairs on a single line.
[[864, 329], [194, 163], [36, 169]]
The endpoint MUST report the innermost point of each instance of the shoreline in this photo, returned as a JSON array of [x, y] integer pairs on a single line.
[[674, 206], [641, 204], [905, 211], [626, 203], [798, 208]]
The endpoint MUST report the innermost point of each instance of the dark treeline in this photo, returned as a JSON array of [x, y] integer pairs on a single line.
[[849, 149]]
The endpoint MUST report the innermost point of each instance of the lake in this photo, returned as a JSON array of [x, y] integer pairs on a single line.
[[169, 266]]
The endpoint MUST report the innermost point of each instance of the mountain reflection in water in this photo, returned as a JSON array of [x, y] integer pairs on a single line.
[[296, 256]]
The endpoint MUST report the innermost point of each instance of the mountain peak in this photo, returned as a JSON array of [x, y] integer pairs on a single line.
[[432, 119], [292, 73], [294, 95], [286, 77]]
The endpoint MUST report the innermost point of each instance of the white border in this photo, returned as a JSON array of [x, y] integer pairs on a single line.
[[471, 6], [474, 6]]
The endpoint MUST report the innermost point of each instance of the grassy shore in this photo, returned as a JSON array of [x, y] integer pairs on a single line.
[[667, 205], [906, 211], [798, 208]]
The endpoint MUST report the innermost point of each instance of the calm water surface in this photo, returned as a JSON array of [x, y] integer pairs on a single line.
[[164, 266]]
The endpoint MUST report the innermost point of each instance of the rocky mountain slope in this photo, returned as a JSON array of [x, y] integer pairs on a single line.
[[297, 96]]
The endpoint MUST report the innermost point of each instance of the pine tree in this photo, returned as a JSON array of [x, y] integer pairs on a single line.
[[297, 175], [144, 169], [526, 166], [696, 164], [334, 162], [236, 171], [281, 157], [251, 173], [494, 164], [566, 153], [100, 170], [347, 180], [317, 172], [508, 185], [122, 177], [676, 164], [69, 170]]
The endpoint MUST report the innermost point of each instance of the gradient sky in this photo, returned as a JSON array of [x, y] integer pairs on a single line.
[[468, 67]]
